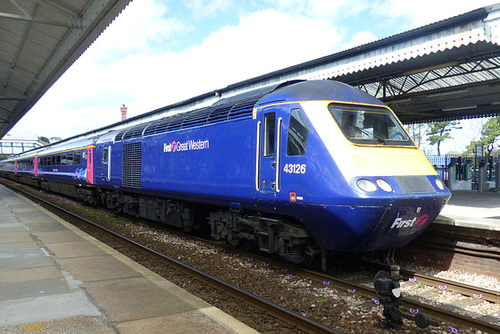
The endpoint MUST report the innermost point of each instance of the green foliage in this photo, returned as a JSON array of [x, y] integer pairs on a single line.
[[321, 302], [417, 131], [440, 131], [490, 137]]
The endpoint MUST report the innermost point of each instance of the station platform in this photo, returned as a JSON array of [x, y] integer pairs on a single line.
[[472, 209], [56, 279]]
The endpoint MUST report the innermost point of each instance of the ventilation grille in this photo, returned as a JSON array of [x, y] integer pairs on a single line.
[[195, 118], [134, 131], [131, 162], [415, 184], [120, 135]]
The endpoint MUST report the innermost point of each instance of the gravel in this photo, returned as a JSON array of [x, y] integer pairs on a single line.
[[345, 311]]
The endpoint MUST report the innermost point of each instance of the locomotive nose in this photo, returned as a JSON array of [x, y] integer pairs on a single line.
[[402, 222]]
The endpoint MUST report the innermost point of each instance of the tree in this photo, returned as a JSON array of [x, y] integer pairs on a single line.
[[416, 131], [490, 137], [440, 131]]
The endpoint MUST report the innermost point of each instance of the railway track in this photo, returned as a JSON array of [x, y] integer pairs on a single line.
[[434, 312], [304, 323], [464, 289]]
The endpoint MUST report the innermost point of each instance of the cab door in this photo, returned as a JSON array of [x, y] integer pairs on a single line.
[[103, 171], [268, 152], [90, 165], [35, 166]]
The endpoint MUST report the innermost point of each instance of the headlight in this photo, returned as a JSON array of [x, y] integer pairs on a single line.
[[366, 185], [439, 183], [384, 185]]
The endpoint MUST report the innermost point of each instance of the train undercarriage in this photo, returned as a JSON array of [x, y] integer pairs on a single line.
[[272, 235]]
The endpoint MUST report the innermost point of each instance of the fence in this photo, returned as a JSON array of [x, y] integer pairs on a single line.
[[464, 173]]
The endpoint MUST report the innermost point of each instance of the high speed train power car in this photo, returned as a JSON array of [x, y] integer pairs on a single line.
[[298, 168]]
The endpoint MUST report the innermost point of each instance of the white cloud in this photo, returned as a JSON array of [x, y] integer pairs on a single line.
[[90, 94], [144, 26], [263, 41], [322, 9], [360, 38], [207, 8], [131, 62], [414, 14]]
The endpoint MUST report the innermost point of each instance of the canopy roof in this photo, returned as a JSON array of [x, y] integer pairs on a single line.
[[40, 39], [443, 71]]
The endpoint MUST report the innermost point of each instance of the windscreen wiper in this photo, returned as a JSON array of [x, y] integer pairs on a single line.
[[363, 131]]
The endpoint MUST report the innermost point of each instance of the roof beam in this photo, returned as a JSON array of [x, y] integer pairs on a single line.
[[13, 98], [58, 7], [75, 23]]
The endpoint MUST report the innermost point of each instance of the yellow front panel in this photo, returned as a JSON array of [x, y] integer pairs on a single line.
[[360, 160]]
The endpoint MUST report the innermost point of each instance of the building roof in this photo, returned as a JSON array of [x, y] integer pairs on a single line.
[[443, 71], [40, 40]]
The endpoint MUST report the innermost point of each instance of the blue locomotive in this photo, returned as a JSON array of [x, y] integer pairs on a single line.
[[299, 168]]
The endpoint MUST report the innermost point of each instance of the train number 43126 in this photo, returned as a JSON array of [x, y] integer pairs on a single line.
[[295, 168]]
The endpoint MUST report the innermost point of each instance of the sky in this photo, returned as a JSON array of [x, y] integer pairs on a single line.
[[158, 52]]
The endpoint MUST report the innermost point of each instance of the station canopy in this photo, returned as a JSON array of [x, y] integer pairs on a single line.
[[40, 40], [447, 70]]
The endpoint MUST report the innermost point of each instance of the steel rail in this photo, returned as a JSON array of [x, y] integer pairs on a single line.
[[464, 289], [278, 312], [435, 312], [305, 324], [480, 253]]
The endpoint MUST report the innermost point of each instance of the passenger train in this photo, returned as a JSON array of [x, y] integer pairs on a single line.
[[300, 168]]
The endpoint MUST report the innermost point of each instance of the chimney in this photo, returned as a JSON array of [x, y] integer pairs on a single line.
[[123, 109]]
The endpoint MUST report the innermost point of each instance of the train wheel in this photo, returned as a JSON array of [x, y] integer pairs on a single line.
[[298, 256], [233, 241]]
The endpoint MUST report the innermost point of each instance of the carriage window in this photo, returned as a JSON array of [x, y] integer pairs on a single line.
[[49, 161], [105, 154], [298, 132], [64, 160], [369, 125], [58, 160], [70, 158], [77, 160], [269, 134]]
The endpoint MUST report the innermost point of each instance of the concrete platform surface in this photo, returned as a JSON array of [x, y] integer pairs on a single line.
[[472, 209], [56, 279]]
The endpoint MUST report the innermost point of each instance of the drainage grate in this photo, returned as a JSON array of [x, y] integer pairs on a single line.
[[131, 165]]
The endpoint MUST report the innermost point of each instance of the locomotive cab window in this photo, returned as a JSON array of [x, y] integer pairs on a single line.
[[369, 125], [269, 134], [298, 132]]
